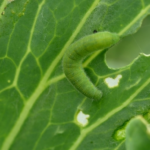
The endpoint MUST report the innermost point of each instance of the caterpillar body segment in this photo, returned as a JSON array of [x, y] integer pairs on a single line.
[[74, 55]]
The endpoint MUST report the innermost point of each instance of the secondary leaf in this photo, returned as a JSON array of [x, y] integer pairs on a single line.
[[137, 134]]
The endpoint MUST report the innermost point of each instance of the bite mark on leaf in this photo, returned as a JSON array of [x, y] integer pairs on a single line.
[[82, 118], [111, 83]]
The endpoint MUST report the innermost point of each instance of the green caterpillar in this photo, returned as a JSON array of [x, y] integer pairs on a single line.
[[76, 52]]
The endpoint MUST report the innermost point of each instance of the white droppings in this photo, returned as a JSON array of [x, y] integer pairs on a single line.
[[82, 118], [113, 82]]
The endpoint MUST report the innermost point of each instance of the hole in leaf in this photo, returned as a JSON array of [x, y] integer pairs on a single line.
[[82, 118], [111, 83], [130, 47]]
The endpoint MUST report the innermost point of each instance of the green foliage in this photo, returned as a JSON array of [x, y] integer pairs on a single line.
[[138, 134], [39, 109]]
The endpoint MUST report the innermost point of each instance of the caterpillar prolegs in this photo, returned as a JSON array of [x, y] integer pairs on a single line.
[[74, 56]]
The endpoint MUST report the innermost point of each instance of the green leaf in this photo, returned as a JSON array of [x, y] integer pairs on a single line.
[[40, 109], [138, 134]]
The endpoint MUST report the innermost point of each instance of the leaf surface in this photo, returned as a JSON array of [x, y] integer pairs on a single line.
[[39, 107]]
